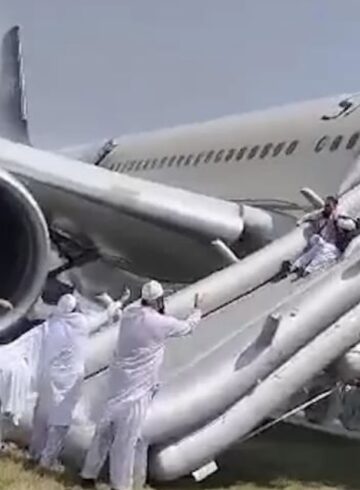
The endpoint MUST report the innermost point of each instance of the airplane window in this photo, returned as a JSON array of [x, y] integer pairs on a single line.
[[320, 145], [209, 157], [336, 143], [126, 165], [219, 156], [138, 165], [230, 154], [278, 149], [146, 164], [241, 153], [115, 166], [131, 165], [171, 160], [179, 160], [188, 160], [352, 141], [253, 152], [153, 164], [292, 147], [266, 150], [162, 162], [198, 158]]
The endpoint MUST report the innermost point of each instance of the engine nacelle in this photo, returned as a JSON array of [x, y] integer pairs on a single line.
[[24, 252]]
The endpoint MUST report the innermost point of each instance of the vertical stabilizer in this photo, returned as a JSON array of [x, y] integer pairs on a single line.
[[13, 117]]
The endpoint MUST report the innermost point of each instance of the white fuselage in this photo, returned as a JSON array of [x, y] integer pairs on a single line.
[[263, 158]]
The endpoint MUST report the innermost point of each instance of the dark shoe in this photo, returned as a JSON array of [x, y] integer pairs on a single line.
[[283, 272], [286, 266], [87, 482], [300, 273]]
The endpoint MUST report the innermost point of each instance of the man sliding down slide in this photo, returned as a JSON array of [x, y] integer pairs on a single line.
[[332, 233]]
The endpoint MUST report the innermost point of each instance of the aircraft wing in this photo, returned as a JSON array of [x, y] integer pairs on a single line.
[[150, 228]]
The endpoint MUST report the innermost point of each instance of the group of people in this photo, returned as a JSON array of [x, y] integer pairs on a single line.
[[53, 364], [45, 367], [331, 233]]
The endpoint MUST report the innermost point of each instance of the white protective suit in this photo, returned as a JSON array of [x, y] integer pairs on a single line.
[[15, 384], [133, 376], [322, 250], [18, 375], [61, 365]]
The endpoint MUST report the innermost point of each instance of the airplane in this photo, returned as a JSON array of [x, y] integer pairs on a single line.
[[185, 205], [175, 204]]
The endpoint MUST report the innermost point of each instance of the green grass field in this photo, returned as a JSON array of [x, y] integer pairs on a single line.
[[285, 458]]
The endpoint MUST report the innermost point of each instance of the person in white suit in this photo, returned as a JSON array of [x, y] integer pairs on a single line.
[[61, 372], [133, 377]]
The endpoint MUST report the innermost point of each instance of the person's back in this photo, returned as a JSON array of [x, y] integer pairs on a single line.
[[140, 350], [64, 345], [134, 374], [65, 340], [61, 370]]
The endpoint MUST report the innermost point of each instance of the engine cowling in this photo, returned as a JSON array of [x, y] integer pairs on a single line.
[[24, 252]]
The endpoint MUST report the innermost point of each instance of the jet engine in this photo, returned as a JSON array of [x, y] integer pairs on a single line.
[[24, 252]]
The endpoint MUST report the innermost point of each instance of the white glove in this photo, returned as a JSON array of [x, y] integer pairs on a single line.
[[303, 219], [125, 296], [114, 310]]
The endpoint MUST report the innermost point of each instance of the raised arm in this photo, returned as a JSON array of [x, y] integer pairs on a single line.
[[112, 312], [179, 328], [97, 319], [310, 217], [346, 223]]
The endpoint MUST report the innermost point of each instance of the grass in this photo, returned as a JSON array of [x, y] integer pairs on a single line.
[[284, 459], [15, 475]]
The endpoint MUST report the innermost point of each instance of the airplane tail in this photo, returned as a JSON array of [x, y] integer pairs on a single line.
[[13, 117]]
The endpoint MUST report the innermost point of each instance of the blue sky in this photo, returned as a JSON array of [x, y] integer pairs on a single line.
[[101, 68]]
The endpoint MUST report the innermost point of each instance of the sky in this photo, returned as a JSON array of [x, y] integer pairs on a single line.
[[101, 68]]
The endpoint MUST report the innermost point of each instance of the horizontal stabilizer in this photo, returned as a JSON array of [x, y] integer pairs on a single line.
[[13, 119]]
